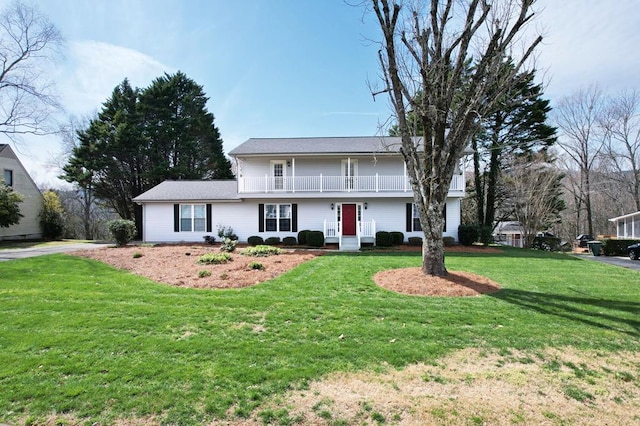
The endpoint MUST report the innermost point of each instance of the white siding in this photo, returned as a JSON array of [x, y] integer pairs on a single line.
[[389, 215]]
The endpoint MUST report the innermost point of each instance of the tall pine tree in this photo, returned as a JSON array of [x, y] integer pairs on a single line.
[[142, 137]]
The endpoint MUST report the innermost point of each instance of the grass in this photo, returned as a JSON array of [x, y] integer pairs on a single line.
[[79, 337]]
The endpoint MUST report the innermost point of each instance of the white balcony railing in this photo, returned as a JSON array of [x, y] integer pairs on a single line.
[[377, 183]]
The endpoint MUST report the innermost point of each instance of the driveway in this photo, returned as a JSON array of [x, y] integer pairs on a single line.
[[10, 254], [624, 262]]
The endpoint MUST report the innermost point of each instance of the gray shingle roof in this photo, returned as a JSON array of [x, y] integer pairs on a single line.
[[324, 145], [191, 190]]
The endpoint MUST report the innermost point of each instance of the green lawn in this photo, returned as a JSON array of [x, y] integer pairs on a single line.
[[79, 337]]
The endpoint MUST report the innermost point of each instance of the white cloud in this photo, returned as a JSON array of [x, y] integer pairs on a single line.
[[95, 68]]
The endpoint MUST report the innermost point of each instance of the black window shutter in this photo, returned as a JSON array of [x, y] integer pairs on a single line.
[[260, 217], [294, 218], [409, 217], [209, 218], [444, 216], [176, 218]]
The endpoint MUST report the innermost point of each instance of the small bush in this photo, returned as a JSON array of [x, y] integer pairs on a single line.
[[289, 241], [256, 265], [302, 237], [204, 273], [272, 241], [384, 239], [262, 251], [226, 232], [415, 241], [546, 243], [616, 247], [228, 245], [209, 239], [397, 238], [255, 240], [122, 231], [315, 238], [137, 255], [467, 234], [448, 241], [485, 234], [214, 258]]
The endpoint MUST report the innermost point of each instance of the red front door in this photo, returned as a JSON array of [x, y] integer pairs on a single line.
[[348, 219]]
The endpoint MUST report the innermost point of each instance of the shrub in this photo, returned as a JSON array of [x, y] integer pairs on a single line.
[[448, 241], [214, 258], [228, 245], [397, 238], [315, 238], [272, 241], [122, 231], [415, 241], [255, 240], [289, 241], [302, 237], [209, 239], [485, 234], [137, 255], [616, 247], [256, 265], [546, 243], [52, 216], [384, 239], [204, 273], [262, 251], [226, 232], [467, 234]]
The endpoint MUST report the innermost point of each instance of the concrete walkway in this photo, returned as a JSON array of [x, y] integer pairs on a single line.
[[623, 262], [10, 254]]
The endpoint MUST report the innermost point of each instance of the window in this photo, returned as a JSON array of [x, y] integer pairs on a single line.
[[413, 219], [193, 218], [277, 217], [416, 219], [8, 177]]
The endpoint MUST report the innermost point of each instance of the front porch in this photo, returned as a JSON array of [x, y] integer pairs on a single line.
[[365, 231]]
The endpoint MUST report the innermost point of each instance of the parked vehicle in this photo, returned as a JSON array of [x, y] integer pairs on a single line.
[[583, 239], [634, 251]]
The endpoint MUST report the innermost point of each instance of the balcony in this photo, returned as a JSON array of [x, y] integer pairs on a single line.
[[320, 184]]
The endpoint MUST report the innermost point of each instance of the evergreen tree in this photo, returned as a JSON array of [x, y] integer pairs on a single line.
[[142, 137], [516, 130]]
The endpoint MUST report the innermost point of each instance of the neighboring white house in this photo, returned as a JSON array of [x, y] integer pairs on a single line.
[[347, 187], [627, 226], [15, 175], [509, 233]]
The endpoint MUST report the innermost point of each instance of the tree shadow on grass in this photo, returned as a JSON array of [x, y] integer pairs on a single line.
[[608, 314]]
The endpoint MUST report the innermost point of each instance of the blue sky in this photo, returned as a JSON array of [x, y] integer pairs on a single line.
[[284, 68]]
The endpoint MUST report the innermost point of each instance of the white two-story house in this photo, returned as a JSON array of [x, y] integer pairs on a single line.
[[347, 187]]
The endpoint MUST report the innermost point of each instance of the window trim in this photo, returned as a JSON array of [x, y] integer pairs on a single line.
[[4, 177], [178, 218], [278, 218]]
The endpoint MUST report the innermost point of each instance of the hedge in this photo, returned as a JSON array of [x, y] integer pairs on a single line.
[[397, 238], [616, 247], [272, 241], [289, 241], [415, 241], [468, 234], [255, 240], [302, 237], [315, 238], [384, 239]]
